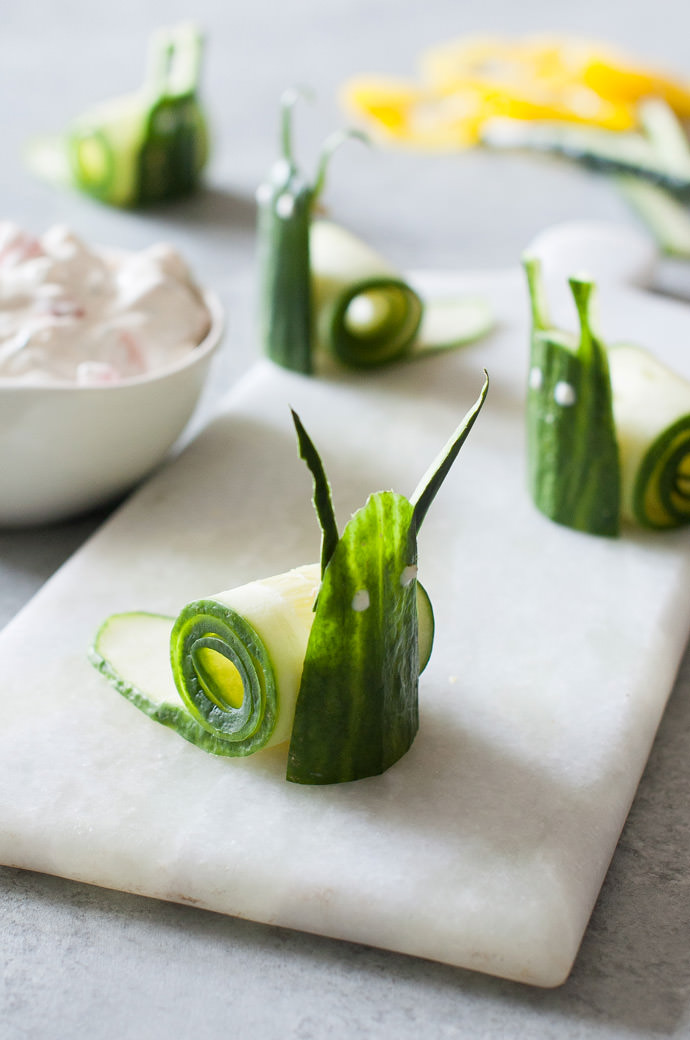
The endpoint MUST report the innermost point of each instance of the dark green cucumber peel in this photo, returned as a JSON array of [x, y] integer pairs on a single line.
[[573, 464], [285, 208], [323, 501], [357, 708]]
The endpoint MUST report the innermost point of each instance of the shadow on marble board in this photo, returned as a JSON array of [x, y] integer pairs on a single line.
[[211, 206]]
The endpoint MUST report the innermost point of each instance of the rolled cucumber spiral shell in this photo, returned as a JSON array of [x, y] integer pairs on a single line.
[[651, 407], [364, 312], [237, 660]]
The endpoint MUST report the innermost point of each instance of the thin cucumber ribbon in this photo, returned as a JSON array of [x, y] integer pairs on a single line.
[[326, 656], [608, 428], [144, 147]]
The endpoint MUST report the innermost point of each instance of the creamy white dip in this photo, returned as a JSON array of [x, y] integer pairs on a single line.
[[90, 316]]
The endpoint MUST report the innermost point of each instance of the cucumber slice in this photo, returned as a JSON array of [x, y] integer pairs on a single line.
[[426, 626], [651, 407], [451, 323], [132, 651], [366, 314]]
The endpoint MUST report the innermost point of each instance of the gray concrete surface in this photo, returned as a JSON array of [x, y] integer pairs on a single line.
[[80, 962]]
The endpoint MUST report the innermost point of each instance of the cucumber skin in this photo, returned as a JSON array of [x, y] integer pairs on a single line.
[[572, 455], [285, 305], [357, 710], [169, 163], [573, 466]]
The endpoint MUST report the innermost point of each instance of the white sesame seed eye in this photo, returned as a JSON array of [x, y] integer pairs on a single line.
[[408, 575], [535, 378], [281, 172], [264, 193], [361, 600], [285, 205], [564, 394]]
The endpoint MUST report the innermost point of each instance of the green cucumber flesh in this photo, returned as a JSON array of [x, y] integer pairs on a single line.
[[426, 626]]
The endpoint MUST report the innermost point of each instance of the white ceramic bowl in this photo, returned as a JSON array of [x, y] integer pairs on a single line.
[[67, 449]]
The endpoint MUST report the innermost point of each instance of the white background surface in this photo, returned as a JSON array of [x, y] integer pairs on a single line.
[[79, 961]]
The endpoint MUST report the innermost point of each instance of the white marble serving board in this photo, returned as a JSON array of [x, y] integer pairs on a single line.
[[555, 652]]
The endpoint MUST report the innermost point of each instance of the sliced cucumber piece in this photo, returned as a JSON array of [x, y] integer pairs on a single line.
[[426, 626], [451, 323]]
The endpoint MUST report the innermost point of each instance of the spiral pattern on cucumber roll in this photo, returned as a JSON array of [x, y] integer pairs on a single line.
[[224, 675], [661, 497], [374, 321]]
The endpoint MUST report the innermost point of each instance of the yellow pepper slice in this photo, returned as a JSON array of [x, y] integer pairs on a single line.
[[467, 81]]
